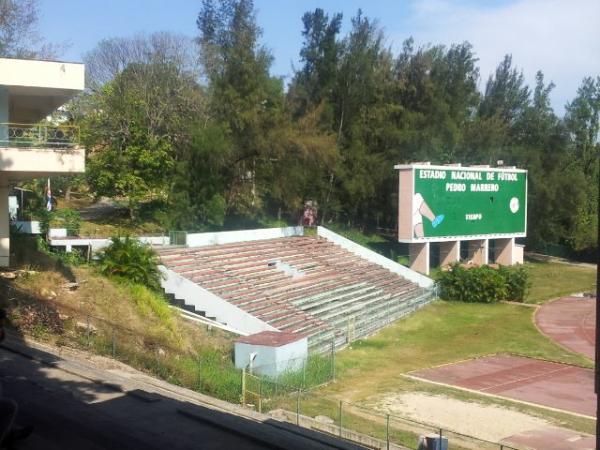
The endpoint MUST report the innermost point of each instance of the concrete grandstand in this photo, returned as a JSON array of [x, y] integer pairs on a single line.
[[323, 286]]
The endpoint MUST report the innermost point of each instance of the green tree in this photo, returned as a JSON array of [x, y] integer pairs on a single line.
[[243, 96], [320, 55], [582, 120], [136, 125], [198, 190], [506, 93]]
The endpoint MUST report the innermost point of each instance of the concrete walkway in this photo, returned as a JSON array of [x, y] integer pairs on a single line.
[[78, 402], [570, 321]]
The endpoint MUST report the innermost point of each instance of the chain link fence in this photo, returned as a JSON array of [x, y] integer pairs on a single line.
[[203, 369], [359, 423], [291, 396]]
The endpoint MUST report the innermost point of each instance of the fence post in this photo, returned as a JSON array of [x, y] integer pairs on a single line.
[[340, 418], [200, 376], [333, 357], [244, 387], [387, 431], [439, 446], [298, 408], [304, 373], [113, 342], [87, 329], [260, 395]]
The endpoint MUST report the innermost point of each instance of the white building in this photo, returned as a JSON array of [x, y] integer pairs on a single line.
[[29, 91]]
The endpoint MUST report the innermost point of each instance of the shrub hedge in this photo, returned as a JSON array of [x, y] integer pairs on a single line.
[[484, 284]]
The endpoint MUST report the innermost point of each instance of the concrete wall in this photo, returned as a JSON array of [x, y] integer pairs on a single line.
[[265, 360], [28, 227], [508, 253], [376, 258], [154, 240], [4, 227], [228, 237], [69, 243], [504, 251], [518, 254], [213, 305], [97, 244], [405, 199], [419, 257], [24, 163], [478, 251], [42, 74], [272, 361], [449, 253], [36, 88], [57, 233], [3, 114], [291, 357]]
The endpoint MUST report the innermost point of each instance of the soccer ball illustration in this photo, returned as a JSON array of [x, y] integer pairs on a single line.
[[514, 205]]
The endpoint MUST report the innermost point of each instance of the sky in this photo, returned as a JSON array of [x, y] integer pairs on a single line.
[[559, 37]]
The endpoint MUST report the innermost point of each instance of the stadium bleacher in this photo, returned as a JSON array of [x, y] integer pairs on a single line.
[[300, 284]]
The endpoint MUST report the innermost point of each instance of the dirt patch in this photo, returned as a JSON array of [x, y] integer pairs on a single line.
[[488, 422]]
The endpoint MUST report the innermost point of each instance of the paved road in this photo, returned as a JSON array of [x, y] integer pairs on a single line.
[[70, 411]]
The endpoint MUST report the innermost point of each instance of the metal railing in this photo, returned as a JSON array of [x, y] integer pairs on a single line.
[[38, 135]]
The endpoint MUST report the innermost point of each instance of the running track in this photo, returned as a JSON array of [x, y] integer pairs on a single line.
[[570, 321]]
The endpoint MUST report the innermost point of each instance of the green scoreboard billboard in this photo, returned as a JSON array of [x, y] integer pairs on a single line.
[[448, 202]]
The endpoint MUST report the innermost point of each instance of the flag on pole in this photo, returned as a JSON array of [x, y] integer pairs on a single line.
[[48, 197]]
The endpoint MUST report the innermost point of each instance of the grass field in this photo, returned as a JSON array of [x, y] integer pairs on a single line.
[[551, 280], [445, 332], [442, 332]]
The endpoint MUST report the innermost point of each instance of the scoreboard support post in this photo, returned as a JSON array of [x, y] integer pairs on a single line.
[[478, 251], [449, 253], [419, 257]]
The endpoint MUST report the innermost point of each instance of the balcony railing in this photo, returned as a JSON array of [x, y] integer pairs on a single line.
[[38, 136]]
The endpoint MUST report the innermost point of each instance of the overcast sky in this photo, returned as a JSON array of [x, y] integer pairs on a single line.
[[560, 37]]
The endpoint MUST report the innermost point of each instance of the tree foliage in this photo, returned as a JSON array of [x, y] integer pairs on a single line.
[[209, 131], [19, 34], [136, 125]]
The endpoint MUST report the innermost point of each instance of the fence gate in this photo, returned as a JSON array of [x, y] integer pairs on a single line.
[[251, 390]]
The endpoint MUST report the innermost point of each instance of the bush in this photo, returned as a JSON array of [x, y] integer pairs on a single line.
[[517, 282], [484, 284], [480, 284], [62, 218], [129, 258]]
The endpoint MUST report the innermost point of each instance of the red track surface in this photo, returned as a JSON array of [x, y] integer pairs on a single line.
[[545, 383], [552, 438], [570, 321]]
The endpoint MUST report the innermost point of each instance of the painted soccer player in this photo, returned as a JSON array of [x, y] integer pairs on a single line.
[[421, 209]]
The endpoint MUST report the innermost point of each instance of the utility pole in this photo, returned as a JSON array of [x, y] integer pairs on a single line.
[[597, 367]]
